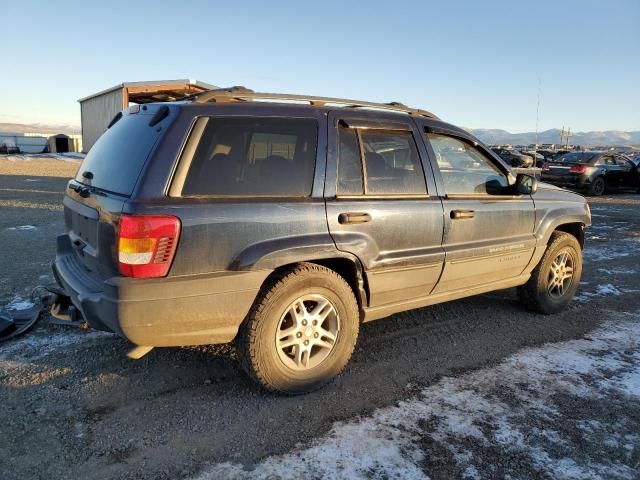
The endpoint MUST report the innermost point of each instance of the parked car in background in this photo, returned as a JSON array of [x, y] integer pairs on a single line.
[[539, 158], [514, 157], [548, 154], [593, 172], [284, 226]]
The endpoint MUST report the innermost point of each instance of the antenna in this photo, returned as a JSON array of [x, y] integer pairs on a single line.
[[535, 150]]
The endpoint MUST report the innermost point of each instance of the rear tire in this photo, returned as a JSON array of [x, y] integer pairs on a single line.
[[282, 361], [549, 290], [597, 187]]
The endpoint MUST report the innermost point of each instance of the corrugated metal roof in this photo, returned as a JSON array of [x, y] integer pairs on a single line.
[[151, 83]]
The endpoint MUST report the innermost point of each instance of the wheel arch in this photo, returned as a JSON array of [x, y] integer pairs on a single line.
[[572, 219], [575, 228], [345, 265]]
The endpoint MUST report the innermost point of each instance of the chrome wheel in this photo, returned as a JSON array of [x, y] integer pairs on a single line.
[[560, 274], [307, 332]]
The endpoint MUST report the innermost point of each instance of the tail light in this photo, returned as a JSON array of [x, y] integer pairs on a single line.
[[147, 244], [546, 168], [578, 169]]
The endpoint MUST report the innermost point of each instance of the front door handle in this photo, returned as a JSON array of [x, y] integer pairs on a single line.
[[353, 217], [458, 214]]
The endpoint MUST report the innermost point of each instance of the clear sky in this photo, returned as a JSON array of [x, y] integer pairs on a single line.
[[474, 63]]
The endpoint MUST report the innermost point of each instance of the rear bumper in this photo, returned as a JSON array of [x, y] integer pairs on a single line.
[[162, 312], [578, 182]]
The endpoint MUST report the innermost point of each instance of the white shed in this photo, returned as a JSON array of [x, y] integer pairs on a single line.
[[97, 110]]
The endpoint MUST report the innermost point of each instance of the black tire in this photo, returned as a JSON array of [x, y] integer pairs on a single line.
[[256, 342], [534, 294], [597, 187]]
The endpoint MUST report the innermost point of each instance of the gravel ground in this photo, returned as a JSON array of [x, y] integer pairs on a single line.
[[75, 407]]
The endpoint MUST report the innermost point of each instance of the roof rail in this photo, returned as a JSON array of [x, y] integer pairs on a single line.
[[243, 94]]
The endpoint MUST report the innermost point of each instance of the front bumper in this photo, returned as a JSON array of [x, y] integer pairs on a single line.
[[160, 312]]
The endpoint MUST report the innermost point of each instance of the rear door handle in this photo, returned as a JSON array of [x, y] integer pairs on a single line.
[[458, 214], [353, 217]]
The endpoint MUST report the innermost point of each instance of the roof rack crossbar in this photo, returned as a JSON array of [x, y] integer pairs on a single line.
[[241, 94]]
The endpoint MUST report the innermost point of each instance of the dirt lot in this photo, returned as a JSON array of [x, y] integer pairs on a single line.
[[73, 406]]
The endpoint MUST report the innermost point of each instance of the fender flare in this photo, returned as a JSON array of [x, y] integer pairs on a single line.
[[280, 252]]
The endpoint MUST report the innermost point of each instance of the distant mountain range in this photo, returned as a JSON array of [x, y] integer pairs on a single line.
[[489, 136], [38, 128], [608, 137]]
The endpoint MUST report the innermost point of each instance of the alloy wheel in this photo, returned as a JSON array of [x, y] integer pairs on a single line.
[[560, 274], [307, 332]]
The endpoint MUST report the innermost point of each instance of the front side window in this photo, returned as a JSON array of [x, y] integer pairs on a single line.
[[465, 170], [387, 161], [254, 156]]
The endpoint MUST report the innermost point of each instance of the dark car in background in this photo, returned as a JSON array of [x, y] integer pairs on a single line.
[[593, 172], [514, 157]]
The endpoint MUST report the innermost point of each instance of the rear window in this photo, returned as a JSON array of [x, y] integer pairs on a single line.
[[254, 156], [118, 156], [576, 157]]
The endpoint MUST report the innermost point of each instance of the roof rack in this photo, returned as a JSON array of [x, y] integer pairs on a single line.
[[243, 94]]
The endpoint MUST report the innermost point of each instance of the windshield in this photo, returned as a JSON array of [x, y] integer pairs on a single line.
[[576, 157], [116, 159]]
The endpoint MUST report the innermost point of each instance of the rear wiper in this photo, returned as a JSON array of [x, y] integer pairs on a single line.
[[94, 190], [85, 190]]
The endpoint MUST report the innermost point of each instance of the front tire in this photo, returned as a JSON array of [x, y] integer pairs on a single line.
[[301, 331], [555, 280]]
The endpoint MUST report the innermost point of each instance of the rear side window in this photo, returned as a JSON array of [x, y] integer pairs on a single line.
[[575, 157], [392, 163], [390, 159], [116, 159], [254, 156]]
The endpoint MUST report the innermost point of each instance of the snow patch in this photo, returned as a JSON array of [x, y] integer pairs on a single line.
[[34, 347], [617, 271], [65, 157], [605, 290], [22, 227], [602, 253], [492, 408], [18, 303]]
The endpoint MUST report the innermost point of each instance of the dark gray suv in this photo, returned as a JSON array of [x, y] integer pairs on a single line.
[[283, 224]]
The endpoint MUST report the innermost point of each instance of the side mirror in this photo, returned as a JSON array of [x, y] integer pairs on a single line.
[[526, 184]]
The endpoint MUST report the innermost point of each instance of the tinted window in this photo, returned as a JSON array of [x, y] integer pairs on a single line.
[[254, 156], [118, 156], [576, 157], [392, 163], [624, 163], [464, 169], [349, 163]]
